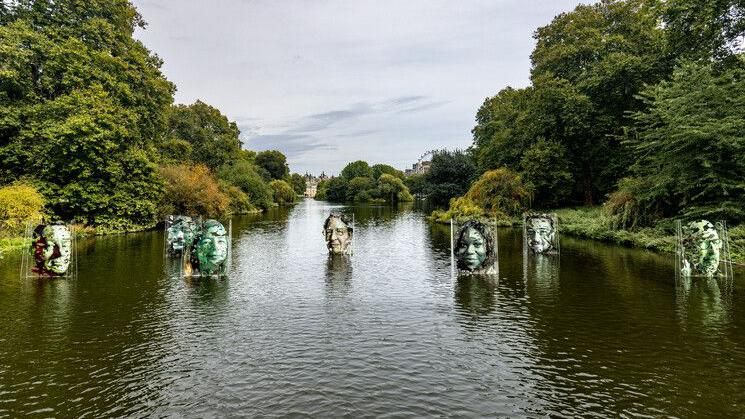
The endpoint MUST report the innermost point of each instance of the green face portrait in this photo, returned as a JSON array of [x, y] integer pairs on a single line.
[[702, 247], [471, 250], [338, 234], [180, 234], [212, 247], [540, 233], [53, 249]]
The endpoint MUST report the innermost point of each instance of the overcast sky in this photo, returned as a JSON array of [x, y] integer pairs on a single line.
[[329, 82]]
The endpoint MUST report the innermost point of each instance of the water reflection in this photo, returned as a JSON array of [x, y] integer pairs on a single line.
[[476, 294], [703, 302], [338, 273]]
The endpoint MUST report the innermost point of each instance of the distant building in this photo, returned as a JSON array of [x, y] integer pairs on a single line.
[[419, 168], [311, 184]]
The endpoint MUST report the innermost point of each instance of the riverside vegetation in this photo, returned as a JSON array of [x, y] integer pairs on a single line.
[[89, 132], [635, 116]]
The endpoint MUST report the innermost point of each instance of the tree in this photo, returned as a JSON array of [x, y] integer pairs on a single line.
[[392, 189], [20, 203], [322, 190], [298, 183], [360, 189], [355, 169], [546, 168], [500, 191], [379, 169], [590, 64], [81, 104], [705, 30], [689, 146], [243, 174], [213, 140], [274, 163], [193, 191], [283, 192], [449, 175], [336, 189]]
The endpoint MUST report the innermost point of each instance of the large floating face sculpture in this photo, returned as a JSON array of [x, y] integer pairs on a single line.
[[52, 249], [540, 232], [701, 247], [180, 234], [211, 248], [338, 232], [475, 250]]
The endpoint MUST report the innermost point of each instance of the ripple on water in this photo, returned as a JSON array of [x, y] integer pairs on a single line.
[[387, 332]]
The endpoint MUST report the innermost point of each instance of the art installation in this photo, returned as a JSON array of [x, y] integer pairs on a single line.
[[540, 233], [338, 231], [209, 254], [180, 232], [51, 252], [476, 249], [700, 248]]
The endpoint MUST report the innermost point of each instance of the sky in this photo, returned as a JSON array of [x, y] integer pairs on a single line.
[[328, 82]]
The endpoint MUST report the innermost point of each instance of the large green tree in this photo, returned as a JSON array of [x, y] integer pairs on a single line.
[[450, 175], [705, 30], [203, 133], [355, 169], [273, 163], [81, 106], [689, 146]]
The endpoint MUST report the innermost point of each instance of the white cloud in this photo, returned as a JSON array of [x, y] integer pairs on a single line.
[[328, 82]]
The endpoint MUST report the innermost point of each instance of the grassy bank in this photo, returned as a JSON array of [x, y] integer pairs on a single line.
[[591, 223]]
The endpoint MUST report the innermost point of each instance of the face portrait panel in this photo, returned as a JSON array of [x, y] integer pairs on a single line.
[[702, 249], [52, 249], [474, 249], [338, 234], [212, 247], [540, 233]]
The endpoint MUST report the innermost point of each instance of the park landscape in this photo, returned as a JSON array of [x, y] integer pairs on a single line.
[[631, 121]]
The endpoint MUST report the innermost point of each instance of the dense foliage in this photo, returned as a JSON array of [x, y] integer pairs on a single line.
[[638, 103], [193, 191], [19, 204], [449, 175], [87, 116], [689, 147], [361, 183], [282, 192]]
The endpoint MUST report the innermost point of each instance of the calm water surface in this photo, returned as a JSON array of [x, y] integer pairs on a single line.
[[389, 332]]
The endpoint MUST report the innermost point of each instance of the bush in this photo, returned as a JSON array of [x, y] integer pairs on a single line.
[[19, 204], [392, 189], [192, 190], [239, 202], [546, 167], [282, 192], [500, 191], [359, 188], [322, 190], [244, 175]]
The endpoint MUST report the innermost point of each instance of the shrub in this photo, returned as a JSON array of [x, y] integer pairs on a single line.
[[192, 190], [244, 175], [282, 192], [19, 204], [500, 191], [392, 189], [321, 190], [239, 202]]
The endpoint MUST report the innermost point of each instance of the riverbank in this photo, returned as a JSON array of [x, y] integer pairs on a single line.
[[591, 223]]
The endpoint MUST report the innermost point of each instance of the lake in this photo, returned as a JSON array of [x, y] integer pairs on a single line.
[[601, 330]]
